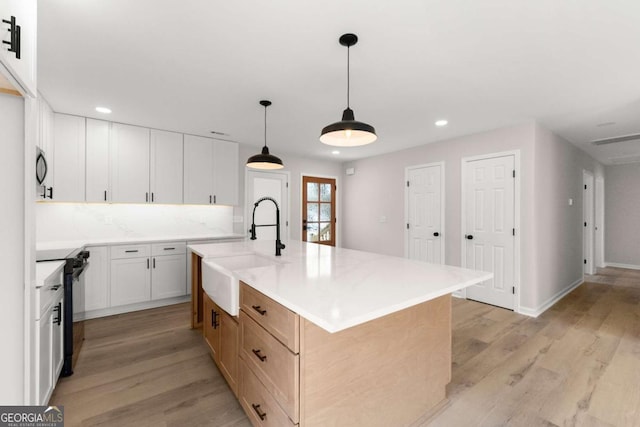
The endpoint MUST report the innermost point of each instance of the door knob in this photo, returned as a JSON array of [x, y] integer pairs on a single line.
[[436, 234], [469, 236]]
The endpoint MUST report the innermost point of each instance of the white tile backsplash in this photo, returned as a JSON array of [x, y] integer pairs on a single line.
[[69, 221]]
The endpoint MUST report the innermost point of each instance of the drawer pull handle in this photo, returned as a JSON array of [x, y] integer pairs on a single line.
[[55, 287], [214, 319], [259, 310], [169, 249], [131, 251], [261, 414], [258, 355]]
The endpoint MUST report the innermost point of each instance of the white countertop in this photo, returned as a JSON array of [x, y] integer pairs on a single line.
[[60, 246], [46, 269], [338, 288]]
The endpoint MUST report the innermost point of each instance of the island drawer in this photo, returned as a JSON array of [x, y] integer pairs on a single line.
[[273, 363], [281, 322], [130, 251], [170, 248], [260, 406]]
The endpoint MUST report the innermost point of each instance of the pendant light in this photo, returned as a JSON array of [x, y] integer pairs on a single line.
[[348, 132], [264, 160]]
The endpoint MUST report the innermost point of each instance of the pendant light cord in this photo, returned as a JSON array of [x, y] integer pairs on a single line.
[[348, 79], [265, 125]]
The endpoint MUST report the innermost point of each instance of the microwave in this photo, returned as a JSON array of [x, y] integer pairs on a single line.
[[41, 175]]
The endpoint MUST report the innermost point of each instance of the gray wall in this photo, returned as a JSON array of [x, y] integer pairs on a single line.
[[622, 213], [377, 189], [296, 166], [559, 169]]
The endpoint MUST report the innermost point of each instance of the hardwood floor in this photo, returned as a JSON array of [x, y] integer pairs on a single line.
[[578, 364]]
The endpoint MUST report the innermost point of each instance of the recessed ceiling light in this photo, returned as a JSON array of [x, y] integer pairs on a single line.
[[441, 123], [103, 110], [335, 152]]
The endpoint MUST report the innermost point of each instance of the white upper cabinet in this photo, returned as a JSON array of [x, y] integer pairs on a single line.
[[210, 171], [225, 173], [198, 170], [98, 188], [68, 158], [166, 164], [129, 164], [20, 63], [45, 143]]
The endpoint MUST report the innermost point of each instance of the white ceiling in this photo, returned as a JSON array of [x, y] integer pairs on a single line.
[[200, 65]]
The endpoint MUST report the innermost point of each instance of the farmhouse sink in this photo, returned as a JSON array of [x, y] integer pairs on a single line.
[[220, 282]]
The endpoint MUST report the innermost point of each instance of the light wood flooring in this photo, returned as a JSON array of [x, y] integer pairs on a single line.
[[578, 364]]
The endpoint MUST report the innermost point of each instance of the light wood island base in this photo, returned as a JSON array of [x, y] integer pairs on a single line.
[[389, 371]]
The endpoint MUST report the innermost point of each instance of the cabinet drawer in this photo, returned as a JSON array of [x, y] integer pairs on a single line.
[[171, 248], [281, 322], [130, 251], [273, 363], [260, 406]]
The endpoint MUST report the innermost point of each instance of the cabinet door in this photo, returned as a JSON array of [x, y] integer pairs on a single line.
[[168, 276], [229, 333], [225, 173], [97, 147], [68, 158], [198, 170], [44, 362], [22, 70], [96, 279], [166, 167], [211, 326], [129, 163], [57, 339], [130, 281]]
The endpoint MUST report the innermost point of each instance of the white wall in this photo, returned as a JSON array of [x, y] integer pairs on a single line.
[[559, 227], [77, 221], [622, 213], [297, 166], [12, 249], [377, 189]]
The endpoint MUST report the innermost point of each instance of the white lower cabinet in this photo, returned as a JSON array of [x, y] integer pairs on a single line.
[[141, 273], [96, 279], [130, 281], [49, 338]]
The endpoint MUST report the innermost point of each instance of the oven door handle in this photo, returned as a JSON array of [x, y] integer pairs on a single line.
[[79, 270]]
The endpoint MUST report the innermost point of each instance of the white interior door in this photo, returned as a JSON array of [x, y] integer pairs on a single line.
[[424, 213], [268, 184], [489, 227], [588, 224]]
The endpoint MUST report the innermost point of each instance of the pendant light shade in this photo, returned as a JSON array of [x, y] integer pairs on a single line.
[[264, 160], [348, 132]]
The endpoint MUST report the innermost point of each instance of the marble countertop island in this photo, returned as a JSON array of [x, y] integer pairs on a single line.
[[337, 288]]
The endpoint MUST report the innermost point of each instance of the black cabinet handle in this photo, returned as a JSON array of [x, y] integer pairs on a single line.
[[261, 414], [147, 263], [152, 198], [131, 251], [469, 236], [58, 309], [209, 199], [14, 30], [154, 263], [214, 199], [51, 193], [436, 234], [105, 195], [258, 355], [169, 249], [44, 192], [146, 197], [214, 319], [259, 310]]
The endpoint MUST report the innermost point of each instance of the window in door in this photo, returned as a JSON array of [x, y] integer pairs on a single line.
[[319, 210]]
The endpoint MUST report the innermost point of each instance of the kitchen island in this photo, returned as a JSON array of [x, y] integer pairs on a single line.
[[331, 336]]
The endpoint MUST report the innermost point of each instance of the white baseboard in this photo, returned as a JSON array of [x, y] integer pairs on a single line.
[[110, 311], [617, 264], [535, 312]]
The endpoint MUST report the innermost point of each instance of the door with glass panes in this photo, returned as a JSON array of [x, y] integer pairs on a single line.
[[319, 210]]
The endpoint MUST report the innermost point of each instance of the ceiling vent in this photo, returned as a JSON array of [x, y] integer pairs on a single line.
[[625, 160], [613, 140]]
